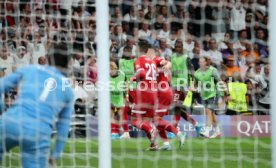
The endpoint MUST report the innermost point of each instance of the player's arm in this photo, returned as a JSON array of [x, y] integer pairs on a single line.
[[227, 94], [194, 85], [217, 79], [62, 125], [161, 62], [9, 82], [191, 71], [216, 76], [190, 67], [140, 72], [126, 87]]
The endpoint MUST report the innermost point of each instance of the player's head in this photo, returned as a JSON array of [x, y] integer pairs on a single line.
[[143, 46], [59, 55], [178, 46], [113, 68], [203, 63], [127, 52]]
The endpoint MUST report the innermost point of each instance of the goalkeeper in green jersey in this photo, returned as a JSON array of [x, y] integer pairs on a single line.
[[206, 78], [126, 65]]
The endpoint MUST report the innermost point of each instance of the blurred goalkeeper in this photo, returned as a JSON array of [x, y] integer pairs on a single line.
[[44, 101]]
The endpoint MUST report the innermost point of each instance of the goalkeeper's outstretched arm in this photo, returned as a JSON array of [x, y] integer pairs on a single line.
[[9, 82]]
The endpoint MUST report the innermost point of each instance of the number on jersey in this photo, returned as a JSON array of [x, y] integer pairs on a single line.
[[151, 72]]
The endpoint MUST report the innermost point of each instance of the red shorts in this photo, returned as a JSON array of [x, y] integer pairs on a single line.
[[178, 96], [144, 102], [165, 99], [131, 96]]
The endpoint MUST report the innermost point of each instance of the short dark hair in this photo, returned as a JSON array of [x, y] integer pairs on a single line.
[[143, 45], [59, 55]]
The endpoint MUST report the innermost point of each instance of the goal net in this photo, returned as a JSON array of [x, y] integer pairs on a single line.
[[214, 58]]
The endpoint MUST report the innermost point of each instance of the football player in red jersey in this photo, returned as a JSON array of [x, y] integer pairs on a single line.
[[145, 94], [165, 98]]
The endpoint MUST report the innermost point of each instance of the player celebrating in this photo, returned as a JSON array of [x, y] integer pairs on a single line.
[[117, 80], [126, 65], [208, 76], [165, 97], [145, 94], [29, 122], [180, 68]]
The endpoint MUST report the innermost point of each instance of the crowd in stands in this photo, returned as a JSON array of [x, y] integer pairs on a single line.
[[233, 34]]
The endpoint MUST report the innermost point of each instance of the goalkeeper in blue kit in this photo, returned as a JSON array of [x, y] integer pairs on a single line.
[[44, 102]]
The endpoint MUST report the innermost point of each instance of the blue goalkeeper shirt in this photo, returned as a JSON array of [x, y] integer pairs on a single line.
[[44, 101]]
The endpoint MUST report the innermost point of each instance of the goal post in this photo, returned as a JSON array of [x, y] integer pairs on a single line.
[[102, 38], [272, 41]]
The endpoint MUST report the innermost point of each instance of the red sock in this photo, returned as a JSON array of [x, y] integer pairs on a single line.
[[125, 118], [115, 128], [188, 118], [165, 125], [163, 135], [176, 119]]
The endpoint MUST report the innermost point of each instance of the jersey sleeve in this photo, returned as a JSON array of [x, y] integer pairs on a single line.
[[11, 81], [216, 75], [62, 125], [140, 72], [158, 61]]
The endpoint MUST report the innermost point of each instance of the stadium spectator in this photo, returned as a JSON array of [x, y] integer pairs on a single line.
[[130, 42], [165, 31], [188, 44], [215, 55], [254, 73], [6, 60], [132, 16], [158, 25], [77, 59], [119, 36], [231, 68], [38, 48], [237, 18], [78, 91], [22, 58], [164, 49], [117, 15], [41, 60], [145, 31], [91, 69]]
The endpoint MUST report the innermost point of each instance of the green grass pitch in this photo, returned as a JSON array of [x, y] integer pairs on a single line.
[[197, 153]]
